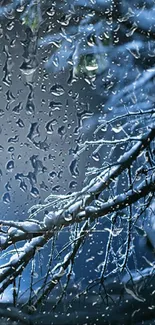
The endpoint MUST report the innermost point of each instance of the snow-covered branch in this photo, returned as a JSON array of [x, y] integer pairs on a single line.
[[81, 207], [121, 201]]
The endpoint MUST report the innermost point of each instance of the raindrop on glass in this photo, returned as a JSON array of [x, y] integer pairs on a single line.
[[10, 166], [57, 90], [6, 198]]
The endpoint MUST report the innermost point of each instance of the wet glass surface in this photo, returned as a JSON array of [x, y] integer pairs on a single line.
[[77, 127]]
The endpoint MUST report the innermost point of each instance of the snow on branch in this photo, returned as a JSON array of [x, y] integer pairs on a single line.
[[69, 211], [121, 201]]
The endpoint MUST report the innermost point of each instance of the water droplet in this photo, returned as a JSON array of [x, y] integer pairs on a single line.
[[14, 139], [132, 30], [7, 67], [43, 186], [65, 19], [18, 108], [42, 145], [49, 127], [13, 43], [61, 131], [19, 176], [9, 13], [96, 156], [11, 149], [72, 185], [37, 164], [43, 88], [100, 252], [67, 216], [43, 101], [9, 96], [6, 198], [1, 31], [10, 25], [8, 186], [23, 186], [10, 165], [34, 191], [55, 106], [7, 77], [57, 90], [135, 52], [34, 131], [52, 174], [116, 232], [51, 12], [60, 173], [20, 123], [20, 8], [28, 68], [93, 67], [117, 129], [73, 168], [56, 188], [30, 108], [1, 112], [55, 60]]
